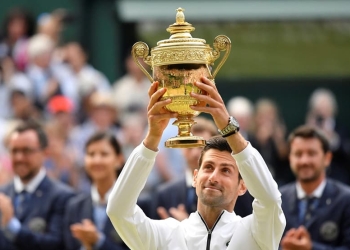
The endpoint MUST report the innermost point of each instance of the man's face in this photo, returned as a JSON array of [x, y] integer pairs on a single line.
[[307, 159], [217, 183], [26, 154]]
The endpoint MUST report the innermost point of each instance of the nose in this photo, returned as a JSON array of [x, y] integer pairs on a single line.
[[17, 155], [304, 159], [213, 178], [96, 158]]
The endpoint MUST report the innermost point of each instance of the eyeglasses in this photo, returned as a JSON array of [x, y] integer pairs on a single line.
[[24, 151]]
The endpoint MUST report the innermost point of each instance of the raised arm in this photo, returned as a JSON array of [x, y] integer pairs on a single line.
[[136, 230], [267, 222]]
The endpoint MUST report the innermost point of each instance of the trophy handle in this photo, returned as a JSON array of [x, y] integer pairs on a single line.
[[141, 50], [221, 43]]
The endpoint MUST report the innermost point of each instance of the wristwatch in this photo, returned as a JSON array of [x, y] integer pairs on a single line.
[[231, 128]]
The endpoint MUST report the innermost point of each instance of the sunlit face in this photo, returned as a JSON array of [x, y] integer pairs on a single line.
[[307, 159], [101, 161], [217, 183], [26, 154]]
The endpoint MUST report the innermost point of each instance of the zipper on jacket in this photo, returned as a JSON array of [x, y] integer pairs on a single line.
[[210, 231]]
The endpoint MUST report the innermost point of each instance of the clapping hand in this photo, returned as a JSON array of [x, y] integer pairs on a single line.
[[297, 239], [86, 232], [178, 212]]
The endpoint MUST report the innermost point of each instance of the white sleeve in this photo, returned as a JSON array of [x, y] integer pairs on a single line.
[[133, 226], [268, 221]]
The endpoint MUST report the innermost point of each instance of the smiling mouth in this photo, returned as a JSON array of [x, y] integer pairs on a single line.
[[212, 188]]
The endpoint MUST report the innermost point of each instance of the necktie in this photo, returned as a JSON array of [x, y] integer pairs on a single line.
[[21, 203], [307, 208]]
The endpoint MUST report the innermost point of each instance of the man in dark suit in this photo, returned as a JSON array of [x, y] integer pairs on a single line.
[[317, 209], [178, 198], [32, 205]]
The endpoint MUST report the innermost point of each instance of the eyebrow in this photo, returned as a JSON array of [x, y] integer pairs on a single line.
[[221, 165]]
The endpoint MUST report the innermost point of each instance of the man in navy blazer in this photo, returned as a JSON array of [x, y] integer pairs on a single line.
[[317, 209], [178, 198], [32, 205]]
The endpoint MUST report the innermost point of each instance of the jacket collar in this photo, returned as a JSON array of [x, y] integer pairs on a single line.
[[32, 185]]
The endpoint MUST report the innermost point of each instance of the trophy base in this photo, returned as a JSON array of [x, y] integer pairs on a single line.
[[185, 142]]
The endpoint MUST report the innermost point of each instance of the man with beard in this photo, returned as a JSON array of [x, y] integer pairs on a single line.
[[32, 205], [178, 198], [224, 158], [317, 208]]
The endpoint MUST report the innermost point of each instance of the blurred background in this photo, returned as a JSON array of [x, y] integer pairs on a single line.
[[290, 64]]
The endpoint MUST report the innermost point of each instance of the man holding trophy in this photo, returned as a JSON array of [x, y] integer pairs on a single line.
[[227, 167]]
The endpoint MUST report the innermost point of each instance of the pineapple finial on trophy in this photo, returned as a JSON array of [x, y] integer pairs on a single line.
[[180, 16]]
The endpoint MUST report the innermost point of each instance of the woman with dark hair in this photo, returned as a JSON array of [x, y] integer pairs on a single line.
[[18, 26], [86, 223]]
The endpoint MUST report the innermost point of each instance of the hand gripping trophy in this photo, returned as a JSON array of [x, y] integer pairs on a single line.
[[177, 63]]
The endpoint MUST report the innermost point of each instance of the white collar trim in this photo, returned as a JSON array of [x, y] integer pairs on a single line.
[[96, 197], [316, 193], [32, 185]]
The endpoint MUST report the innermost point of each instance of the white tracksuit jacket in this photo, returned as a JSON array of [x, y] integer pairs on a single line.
[[261, 230]]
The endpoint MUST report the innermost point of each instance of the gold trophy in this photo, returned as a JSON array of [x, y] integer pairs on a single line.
[[177, 63]]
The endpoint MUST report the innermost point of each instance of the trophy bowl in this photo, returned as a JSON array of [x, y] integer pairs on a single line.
[[177, 63]]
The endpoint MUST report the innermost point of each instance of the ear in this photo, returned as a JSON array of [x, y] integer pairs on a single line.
[[241, 188], [328, 158], [195, 173]]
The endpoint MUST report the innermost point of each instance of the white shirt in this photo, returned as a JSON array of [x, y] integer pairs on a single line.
[[96, 199], [261, 230], [189, 177], [317, 193], [32, 185]]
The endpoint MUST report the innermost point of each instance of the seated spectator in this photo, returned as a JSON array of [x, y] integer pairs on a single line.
[[323, 110], [85, 77], [242, 109], [86, 223], [32, 205], [11, 79], [130, 93], [18, 26], [317, 208], [269, 139]]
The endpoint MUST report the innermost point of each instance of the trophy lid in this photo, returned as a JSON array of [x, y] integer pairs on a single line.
[[181, 47]]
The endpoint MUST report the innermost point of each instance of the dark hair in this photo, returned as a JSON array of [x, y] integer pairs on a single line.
[[217, 143], [37, 128], [21, 13], [99, 136], [309, 132], [110, 138]]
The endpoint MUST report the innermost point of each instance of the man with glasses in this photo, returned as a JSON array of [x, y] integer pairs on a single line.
[[32, 205]]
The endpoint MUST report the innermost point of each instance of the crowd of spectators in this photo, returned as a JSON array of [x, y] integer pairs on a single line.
[[52, 82]]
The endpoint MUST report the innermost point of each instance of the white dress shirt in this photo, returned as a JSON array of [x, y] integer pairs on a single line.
[[32, 185]]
